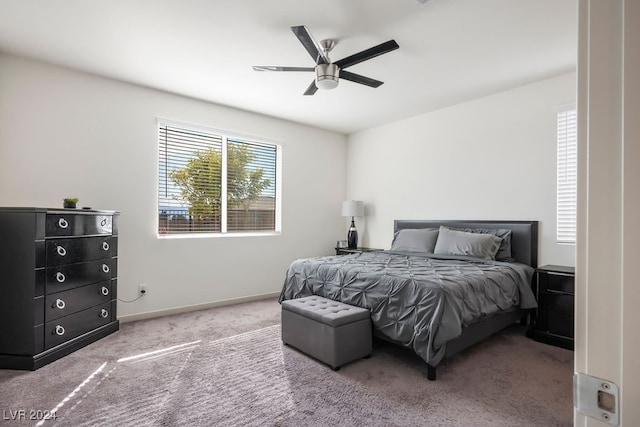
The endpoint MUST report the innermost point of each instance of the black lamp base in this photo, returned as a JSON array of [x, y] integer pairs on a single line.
[[352, 236]]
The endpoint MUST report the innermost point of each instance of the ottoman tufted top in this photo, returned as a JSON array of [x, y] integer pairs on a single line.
[[327, 311]]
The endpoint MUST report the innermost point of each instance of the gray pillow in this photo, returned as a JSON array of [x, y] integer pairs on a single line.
[[415, 240], [454, 242], [504, 252]]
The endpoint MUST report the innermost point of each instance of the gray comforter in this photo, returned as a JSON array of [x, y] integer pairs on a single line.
[[419, 302]]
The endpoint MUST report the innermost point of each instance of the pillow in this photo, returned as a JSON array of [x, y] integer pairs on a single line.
[[415, 240], [454, 242], [504, 252]]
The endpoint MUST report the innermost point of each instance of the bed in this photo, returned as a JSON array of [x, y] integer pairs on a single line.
[[443, 286]]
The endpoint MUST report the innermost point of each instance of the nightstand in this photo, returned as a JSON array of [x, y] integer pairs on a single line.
[[553, 323], [346, 251]]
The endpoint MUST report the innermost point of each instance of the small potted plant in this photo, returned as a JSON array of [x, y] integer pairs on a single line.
[[70, 203]]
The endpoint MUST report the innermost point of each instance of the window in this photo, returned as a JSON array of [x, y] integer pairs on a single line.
[[211, 182], [567, 177]]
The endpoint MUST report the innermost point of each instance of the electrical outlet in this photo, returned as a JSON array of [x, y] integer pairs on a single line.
[[142, 289]]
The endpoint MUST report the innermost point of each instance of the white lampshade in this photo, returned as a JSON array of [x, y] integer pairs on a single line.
[[352, 208]]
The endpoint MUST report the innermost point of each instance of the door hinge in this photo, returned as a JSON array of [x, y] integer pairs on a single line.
[[596, 398]]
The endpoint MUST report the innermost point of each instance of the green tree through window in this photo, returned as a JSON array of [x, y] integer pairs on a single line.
[[200, 186]]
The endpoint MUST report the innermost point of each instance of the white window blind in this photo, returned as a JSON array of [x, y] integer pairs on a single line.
[[567, 177], [251, 206], [213, 183]]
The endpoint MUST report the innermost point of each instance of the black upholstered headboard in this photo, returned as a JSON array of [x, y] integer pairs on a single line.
[[524, 234]]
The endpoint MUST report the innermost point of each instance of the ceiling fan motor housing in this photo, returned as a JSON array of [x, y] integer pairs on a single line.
[[327, 76]]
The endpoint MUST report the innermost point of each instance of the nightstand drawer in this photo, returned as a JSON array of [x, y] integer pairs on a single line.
[[562, 304], [557, 282], [554, 323], [560, 324]]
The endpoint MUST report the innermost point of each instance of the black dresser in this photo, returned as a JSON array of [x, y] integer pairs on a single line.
[[58, 282], [553, 323]]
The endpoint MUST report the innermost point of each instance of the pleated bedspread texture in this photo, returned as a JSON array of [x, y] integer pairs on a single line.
[[417, 301]]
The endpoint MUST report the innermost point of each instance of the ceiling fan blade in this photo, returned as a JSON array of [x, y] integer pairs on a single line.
[[372, 52], [311, 89], [309, 43], [357, 78], [276, 68]]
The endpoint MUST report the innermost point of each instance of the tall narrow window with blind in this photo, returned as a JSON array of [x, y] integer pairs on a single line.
[[210, 182], [567, 177]]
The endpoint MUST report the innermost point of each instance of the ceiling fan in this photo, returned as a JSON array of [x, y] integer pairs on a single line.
[[327, 72]]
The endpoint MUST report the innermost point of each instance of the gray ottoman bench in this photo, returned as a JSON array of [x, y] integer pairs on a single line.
[[330, 331]]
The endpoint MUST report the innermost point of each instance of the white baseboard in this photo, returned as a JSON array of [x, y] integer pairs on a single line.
[[187, 308]]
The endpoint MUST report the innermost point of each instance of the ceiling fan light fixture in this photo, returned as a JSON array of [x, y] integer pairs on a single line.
[[327, 76]]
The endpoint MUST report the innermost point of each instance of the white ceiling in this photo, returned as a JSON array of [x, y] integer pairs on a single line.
[[450, 50]]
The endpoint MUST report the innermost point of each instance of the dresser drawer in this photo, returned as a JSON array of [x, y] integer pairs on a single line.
[[68, 302], [74, 250], [71, 276], [65, 328], [75, 224]]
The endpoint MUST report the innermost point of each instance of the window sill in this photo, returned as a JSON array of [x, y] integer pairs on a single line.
[[218, 235]]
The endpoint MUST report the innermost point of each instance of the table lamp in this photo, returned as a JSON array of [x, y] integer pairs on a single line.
[[352, 208]]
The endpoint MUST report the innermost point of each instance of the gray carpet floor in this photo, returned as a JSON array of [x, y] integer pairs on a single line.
[[227, 366]]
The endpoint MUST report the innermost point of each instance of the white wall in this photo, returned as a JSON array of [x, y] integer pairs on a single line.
[[65, 133], [491, 158]]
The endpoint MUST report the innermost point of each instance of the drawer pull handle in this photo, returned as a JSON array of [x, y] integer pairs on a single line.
[[62, 223], [61, 250], [59, 330], [60, 304], [60, 277], [104, 313], [103, 222], [104, 290], [105, 268], [105, 246]]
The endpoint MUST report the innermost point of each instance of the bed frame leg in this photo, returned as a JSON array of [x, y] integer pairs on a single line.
[[431, 372], [524, 320]]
